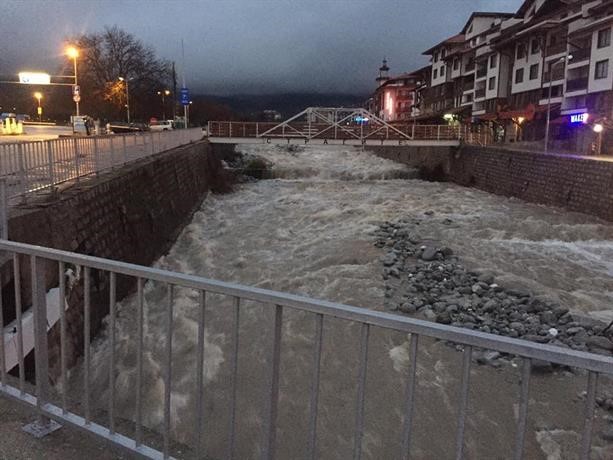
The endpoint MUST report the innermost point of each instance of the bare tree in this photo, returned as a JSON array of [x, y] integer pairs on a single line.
[[114, 53]]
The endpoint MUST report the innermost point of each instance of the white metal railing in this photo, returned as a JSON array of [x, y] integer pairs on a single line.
[[32, 166], [322, 311]]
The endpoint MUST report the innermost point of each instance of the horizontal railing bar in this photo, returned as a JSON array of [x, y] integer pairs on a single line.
[[56, 413], [524, 348]]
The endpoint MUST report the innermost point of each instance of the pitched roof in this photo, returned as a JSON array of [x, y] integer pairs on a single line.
[[485, 14], [456, 39]]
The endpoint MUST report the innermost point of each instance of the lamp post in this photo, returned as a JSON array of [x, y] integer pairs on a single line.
[[598, 128], [39, 96], [562, 60], [73, 54], [127, 97], [164, 93]]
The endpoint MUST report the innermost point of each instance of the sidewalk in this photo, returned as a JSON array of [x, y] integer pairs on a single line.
[[64, 444]]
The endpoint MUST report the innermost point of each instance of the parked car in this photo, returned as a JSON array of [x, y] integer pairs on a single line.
[[161, 125]]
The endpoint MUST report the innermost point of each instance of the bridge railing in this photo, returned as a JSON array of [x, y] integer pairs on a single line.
[[91, 416], [305, 130], [28, 167]]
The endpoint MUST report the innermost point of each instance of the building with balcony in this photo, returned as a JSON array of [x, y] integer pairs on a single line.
[[396, 97]]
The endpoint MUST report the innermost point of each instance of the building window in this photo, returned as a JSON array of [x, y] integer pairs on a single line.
[[519, 75], [456, 64], [493, 61], [436, 57], [443, 53], [602, 69], [521, 51], [435, 74], [442, 71], [491, 84], [534, 71], [534, 46], [604, 38]]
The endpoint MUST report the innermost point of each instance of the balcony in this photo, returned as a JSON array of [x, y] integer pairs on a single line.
[[480, 93], [577, 84], [469, 67], [580, 55], [481, 72], [468, 86], [558, 48], [558, 74]]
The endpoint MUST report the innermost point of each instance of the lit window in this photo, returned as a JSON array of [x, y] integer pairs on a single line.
[[602, 69], [534, 71], [604, 38]]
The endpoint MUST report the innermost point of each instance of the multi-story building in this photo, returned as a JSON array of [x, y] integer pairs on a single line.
[[548, 68], [558, 73], [396, 98]]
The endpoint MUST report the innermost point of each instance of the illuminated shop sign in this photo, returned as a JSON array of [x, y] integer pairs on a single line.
[[579, 118]]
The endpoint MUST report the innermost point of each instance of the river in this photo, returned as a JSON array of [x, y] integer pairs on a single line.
[[311, 232]]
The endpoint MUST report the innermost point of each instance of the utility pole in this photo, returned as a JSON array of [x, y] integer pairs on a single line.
[[174, 91], [184, 106]]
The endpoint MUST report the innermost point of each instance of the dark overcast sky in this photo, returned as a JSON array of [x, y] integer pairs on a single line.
[[248, 46]]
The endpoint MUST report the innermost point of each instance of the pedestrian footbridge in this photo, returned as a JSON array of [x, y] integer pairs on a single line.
[[337, 126]]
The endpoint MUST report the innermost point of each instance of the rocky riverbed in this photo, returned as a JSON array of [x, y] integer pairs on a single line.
[[424, 278]]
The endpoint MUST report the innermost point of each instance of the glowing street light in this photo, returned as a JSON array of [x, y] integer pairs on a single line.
[[38, 95], [164, 93], [73, 54], [127, 96]]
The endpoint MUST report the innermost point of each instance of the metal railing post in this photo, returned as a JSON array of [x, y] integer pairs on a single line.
[[152, 143], [257, 131], [125, 148], [22, 169], [438, 133], [96, 157], [50, 159], [4, 211], [76, 156], [112, 151], [39, 302]]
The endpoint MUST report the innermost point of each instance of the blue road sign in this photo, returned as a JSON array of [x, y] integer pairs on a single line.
[[184, 96]]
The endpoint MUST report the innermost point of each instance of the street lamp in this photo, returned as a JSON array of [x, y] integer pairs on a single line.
[[562, 60], [127, 97], [598, 128], [39, 96], [73, 54], [164, 93]]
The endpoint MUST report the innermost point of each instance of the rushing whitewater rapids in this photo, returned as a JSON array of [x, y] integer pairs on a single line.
[[311, 233]]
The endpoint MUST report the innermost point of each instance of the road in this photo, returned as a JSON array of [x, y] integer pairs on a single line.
[[38, 133]]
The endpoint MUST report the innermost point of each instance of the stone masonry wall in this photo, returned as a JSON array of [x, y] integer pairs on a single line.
[[571, 182], [133, 214]]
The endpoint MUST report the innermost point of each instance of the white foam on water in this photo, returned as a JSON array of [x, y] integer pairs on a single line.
[[312, 235]]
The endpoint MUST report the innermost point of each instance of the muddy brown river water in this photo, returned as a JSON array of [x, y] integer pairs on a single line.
[[311, 232]]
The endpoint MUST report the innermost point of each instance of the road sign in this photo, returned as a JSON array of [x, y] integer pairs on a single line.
[[184, 96], [34, 78], [40, 110]]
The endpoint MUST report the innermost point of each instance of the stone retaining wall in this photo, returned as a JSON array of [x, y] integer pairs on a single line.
[[133, 214], [571, 182]]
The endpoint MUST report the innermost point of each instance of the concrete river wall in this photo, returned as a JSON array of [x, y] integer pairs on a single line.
[[571, 182]]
